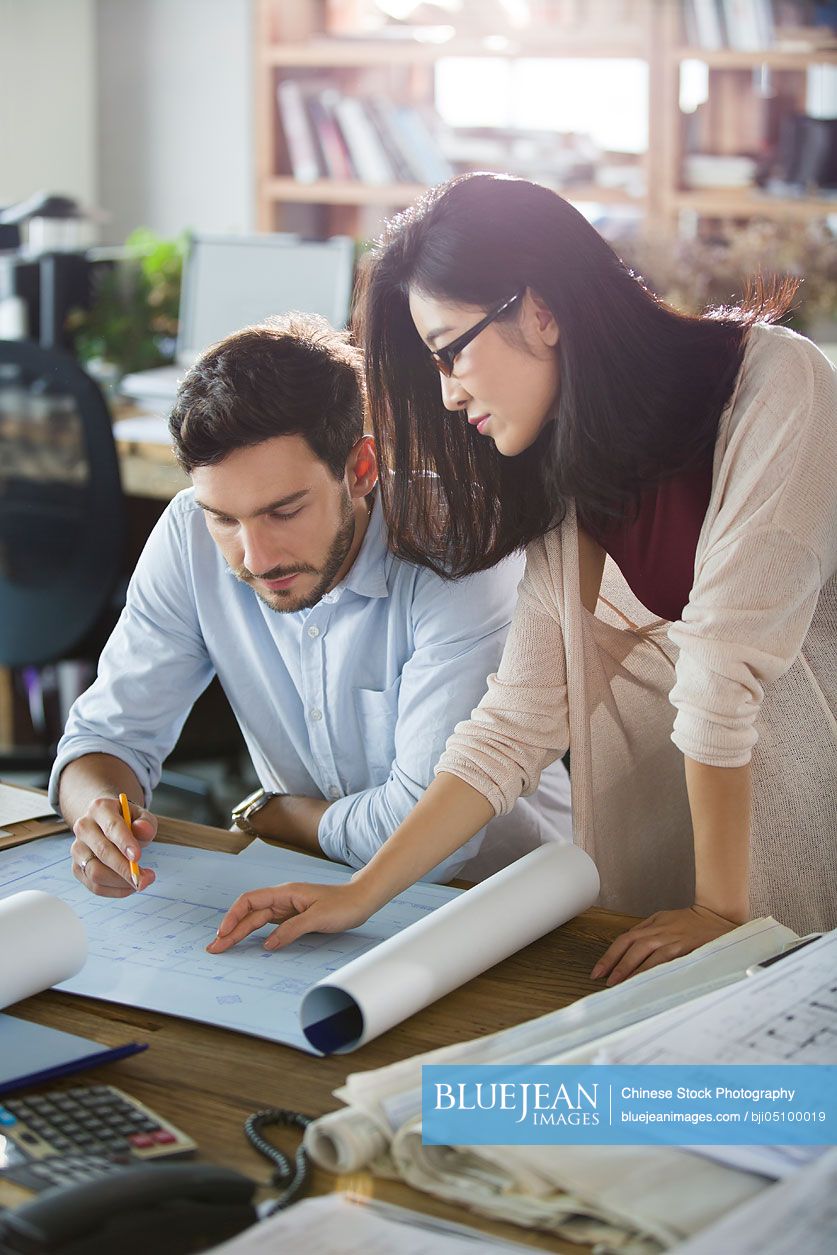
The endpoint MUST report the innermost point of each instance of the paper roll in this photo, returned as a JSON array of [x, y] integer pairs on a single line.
[[344, 1141], [448, 947], [42, 942]]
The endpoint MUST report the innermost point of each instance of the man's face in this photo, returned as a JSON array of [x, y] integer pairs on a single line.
[[282, 521]]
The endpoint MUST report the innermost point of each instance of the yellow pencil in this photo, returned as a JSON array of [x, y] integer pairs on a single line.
[[126, 815]]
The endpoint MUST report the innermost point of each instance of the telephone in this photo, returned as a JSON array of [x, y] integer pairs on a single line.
[[170, 1209]]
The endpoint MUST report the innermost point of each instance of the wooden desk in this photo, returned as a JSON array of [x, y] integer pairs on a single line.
[[208, 1080]]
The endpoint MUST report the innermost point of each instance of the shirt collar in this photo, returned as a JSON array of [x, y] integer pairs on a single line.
[[368, 574]]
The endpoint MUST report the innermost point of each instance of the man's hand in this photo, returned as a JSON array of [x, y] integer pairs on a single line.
[[298, 909], [104, 845], [663, 936]]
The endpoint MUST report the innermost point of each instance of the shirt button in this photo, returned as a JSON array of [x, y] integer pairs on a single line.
[[334, 793], [313, 631], [316, 715]]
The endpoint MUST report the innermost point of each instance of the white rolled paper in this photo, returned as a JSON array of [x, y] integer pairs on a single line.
[[344, 1141], [42, 942], [450, 946]]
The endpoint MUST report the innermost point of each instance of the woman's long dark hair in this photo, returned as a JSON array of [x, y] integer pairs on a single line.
[[642, 387]]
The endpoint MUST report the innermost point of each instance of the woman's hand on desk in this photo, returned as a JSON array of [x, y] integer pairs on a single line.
[[297, 909], [104, 843], [663, 936]]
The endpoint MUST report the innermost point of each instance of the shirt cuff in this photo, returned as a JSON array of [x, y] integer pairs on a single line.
[[97, 745]]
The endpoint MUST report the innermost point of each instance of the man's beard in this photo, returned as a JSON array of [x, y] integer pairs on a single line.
[[284, 602]]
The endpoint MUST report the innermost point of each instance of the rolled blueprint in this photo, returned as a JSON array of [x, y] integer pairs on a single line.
[[439, 953], [42, 942]]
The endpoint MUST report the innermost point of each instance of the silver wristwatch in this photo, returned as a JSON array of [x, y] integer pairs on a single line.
[[242, 814]]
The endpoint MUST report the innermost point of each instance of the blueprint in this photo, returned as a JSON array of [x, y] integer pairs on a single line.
[[786, 1013], [148, 950]]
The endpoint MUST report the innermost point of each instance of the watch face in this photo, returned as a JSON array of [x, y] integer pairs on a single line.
[[251, 805], [250, 801]]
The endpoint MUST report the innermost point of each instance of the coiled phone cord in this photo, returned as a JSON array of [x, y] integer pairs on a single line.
[[294, 1179]]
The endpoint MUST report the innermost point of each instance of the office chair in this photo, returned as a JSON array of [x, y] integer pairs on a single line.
[[62, 531], [62, 518]]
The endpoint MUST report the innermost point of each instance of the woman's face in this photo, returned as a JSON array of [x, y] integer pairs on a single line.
[[503, 386]]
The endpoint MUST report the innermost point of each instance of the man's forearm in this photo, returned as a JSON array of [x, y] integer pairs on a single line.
[[720, 801], [295, 820], [92, 776]]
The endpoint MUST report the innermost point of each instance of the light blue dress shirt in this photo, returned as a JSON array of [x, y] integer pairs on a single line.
[[351, 700]]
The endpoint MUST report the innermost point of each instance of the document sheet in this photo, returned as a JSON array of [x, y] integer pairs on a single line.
[[798, 1215], [148, 950], [18, 805], [325, 1226], [786, 1013]]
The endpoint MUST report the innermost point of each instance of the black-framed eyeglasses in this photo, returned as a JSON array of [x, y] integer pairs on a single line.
[[444, 358]]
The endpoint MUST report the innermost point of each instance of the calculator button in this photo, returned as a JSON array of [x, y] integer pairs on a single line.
[[163, 1138], [7, 1118], [140, 1140]]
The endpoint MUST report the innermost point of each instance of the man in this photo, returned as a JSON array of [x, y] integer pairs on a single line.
[[346, 667]]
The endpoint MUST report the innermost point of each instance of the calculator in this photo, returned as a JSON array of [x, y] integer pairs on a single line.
[[67, 1136]]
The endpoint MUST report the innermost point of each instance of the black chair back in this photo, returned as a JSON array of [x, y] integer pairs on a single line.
[[62, 515]]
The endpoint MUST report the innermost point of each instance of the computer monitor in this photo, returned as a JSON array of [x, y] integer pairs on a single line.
[[232, 281]]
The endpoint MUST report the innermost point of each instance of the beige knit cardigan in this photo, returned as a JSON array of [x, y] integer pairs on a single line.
[[750, 668]]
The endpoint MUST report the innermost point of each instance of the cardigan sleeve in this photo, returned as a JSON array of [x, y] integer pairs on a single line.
[[521, 726], [769, 549]]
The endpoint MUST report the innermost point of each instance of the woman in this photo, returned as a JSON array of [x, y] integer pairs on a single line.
[[674, 480]]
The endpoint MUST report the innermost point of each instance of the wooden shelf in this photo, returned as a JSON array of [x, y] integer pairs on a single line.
[[772, 58], [334, 192], [289, 43], [749, 203], [361, 54], [339, 192]]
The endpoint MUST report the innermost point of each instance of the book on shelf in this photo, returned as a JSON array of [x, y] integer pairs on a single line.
[[749, 24], [380, 111], [322, 104], [704, 27], [367, 153], [710, 170], [419, 145], [743, 25], [301, 141], [330, 134], [807, 153], [755, 25]]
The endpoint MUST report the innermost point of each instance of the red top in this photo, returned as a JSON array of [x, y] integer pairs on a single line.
[[656, 550]]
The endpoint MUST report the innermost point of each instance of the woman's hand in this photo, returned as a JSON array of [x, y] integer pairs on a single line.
[[663, 936], [298, 909]]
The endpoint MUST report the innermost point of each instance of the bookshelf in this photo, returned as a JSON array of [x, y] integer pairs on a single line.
[[291, 44]]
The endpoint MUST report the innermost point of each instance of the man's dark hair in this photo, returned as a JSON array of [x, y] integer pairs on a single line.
[[293, 375]]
